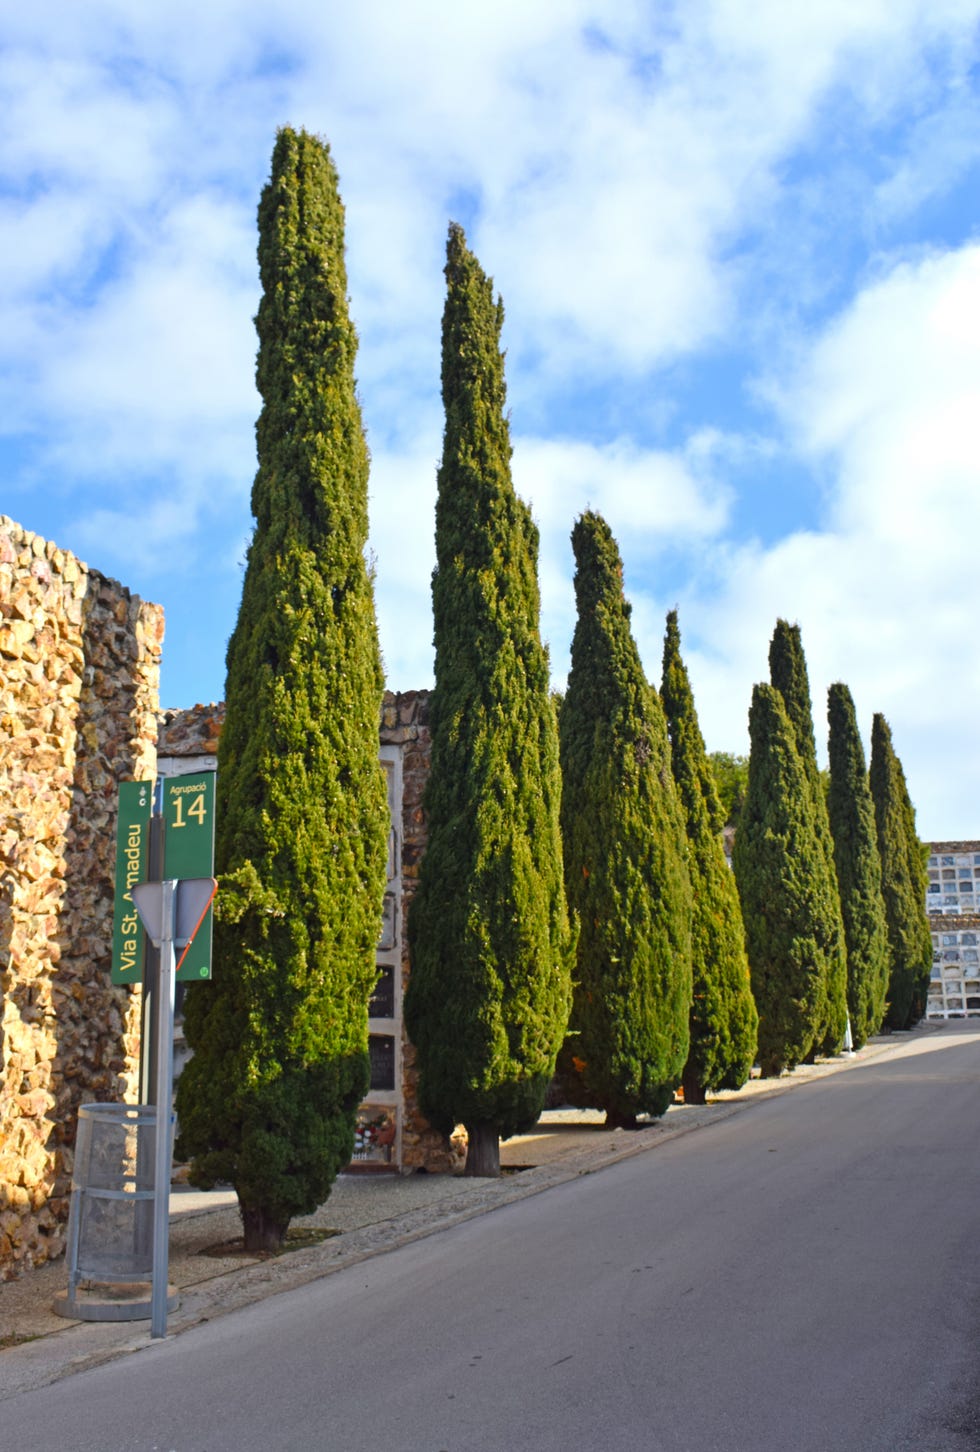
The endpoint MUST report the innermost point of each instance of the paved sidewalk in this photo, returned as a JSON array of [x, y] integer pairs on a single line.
[[369, 1213]]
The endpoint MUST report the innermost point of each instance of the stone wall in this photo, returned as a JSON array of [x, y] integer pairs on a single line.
[[79, 674], [191, 735]]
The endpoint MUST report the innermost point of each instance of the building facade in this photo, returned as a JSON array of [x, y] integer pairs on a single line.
[[953, 904]]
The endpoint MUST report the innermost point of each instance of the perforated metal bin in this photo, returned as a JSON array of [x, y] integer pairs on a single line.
[[110, 1225]]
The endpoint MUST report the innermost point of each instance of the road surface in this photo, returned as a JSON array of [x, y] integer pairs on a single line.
[[802, 1277]]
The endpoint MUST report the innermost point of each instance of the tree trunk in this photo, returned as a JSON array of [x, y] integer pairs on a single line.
[[261, 1231], [694, 1091], [483, 1150], [616, 1119]]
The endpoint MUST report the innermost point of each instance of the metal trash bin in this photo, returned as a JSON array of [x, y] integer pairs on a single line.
[[110, 1222]]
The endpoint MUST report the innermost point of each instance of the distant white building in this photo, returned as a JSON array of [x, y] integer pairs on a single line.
[[954, 878], [953, 904]]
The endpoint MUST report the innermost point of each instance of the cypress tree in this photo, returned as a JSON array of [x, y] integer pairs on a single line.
[[488, 998], [625, 851], [852, 824], [723, 1020], [269, 1099], [903, 883], [788, 673], [786, 905]]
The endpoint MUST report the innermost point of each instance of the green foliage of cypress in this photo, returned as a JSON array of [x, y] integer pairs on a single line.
[[268, 1102], [904, 882], [625, 852], [723, 1021], [488, 998], [731, 778], [852, 824], [788, 674], [787, 908]]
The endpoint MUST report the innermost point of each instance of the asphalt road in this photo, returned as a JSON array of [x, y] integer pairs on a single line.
[[803, 1276]]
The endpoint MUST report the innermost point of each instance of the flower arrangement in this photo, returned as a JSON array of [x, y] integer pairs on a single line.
[[374, 1136]]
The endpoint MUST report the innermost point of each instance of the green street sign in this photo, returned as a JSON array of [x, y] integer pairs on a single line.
[[188, 851], [132, 860]]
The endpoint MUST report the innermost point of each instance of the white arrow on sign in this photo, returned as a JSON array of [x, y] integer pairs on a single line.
[[192, 897]]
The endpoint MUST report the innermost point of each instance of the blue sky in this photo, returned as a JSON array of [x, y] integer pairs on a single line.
[[739, 254]]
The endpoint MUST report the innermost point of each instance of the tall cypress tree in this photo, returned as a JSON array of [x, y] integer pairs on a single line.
[[903, 883], [488, 998], [786, 904], [269, 1099], [625, 851], [788, 673], [852, 824], [723, 1021]]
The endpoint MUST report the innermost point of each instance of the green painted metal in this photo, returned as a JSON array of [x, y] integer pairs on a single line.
[[188, 814], [132, 857]]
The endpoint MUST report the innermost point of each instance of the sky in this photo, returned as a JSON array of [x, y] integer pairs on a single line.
[[738, 249]]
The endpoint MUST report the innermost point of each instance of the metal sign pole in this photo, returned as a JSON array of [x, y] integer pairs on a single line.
[[172, 912], [164, 1066]]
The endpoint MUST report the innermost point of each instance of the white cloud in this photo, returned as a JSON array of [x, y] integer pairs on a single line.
[[402, 545], [645, 182], [893, 392], [652, 501], [888, 403]]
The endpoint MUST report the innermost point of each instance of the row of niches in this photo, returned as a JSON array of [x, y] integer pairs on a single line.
[[376, 1125], [953, 981], [948, 895], [954, 881], [957, 860], [956, 1003], [947, 984]]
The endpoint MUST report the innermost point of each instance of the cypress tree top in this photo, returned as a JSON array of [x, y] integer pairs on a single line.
[[852, 823], [487, 1001], [904, 883], [723, 1019], [692, 768], [788, 672], [280, 1037], [778, 861], [625, 857]]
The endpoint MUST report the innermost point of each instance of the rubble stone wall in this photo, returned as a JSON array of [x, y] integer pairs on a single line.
[[79, 680]]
